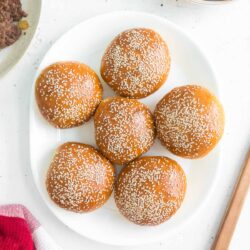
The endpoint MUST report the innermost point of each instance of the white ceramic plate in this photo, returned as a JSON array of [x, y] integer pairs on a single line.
[[11, 55], [86, 43]]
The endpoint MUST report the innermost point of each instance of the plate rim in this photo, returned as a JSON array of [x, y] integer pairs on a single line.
[[218, 147]]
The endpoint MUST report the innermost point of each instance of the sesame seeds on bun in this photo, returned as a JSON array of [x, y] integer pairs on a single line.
[[136, 63], [68, 93], [124, 129], [79, 178], [189, 121], [150, 190]]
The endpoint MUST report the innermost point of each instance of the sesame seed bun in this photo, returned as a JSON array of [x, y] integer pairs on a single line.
[[136, 63], [189, 121], [150, 190], [79, 178], [67, 93], [124, 129]]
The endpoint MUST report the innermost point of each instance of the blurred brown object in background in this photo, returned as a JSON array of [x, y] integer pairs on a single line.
[[10, 14]]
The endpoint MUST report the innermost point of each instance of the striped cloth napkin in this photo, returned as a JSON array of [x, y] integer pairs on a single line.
[[20, 230]]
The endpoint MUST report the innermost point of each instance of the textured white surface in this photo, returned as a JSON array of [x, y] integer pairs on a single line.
[[43, 241], [224, 33]]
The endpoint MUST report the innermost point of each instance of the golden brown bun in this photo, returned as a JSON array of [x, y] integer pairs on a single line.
[[189, 121], [136, 63], [68, 93], [79, 178], [150, 190], [124, 129]]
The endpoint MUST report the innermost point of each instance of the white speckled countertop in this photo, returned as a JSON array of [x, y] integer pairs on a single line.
[[223, 31]]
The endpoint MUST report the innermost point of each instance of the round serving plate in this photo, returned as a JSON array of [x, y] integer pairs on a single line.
[[9, 56], [86, 43]]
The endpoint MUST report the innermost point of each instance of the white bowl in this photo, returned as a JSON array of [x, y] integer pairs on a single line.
[[9, 56], [86, 43]]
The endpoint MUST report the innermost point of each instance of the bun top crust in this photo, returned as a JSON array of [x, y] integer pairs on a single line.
[[124, 129], [68, 93], [79, 179], [189, 121], [150, 190], [136, 63]]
